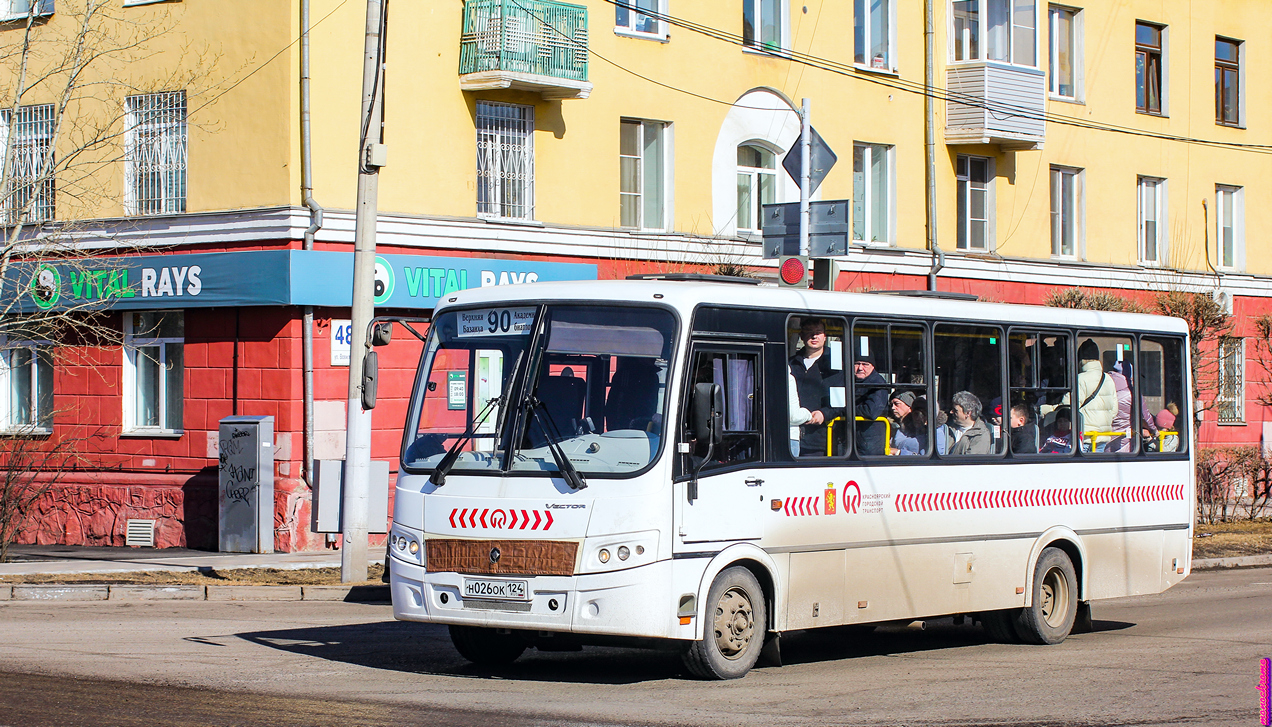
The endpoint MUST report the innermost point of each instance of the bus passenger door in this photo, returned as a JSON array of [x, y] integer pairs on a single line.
[[726, 503]]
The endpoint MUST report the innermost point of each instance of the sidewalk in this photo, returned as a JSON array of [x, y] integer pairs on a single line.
[[63, 559], [29, 559]]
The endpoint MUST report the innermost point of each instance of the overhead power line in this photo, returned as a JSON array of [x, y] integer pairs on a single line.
[[998, 109]]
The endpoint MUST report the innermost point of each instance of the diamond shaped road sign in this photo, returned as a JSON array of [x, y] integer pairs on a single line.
[[821, 159]]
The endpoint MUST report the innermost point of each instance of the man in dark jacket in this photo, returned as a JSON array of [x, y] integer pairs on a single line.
[[871, 398], [814, 376]]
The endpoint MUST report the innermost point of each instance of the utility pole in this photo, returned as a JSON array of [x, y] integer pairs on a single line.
[[806, 163], [357, 469]]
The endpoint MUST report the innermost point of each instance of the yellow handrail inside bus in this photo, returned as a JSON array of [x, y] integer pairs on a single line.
[[1161, 439], [887, 431]]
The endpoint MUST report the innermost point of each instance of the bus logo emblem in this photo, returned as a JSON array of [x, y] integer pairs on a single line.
[[830, 501], [852, 497], [494, 555]]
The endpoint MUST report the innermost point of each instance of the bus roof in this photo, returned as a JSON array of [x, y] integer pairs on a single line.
[[686, 295]]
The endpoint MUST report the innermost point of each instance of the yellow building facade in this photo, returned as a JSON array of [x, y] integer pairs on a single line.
[[1120, 145]]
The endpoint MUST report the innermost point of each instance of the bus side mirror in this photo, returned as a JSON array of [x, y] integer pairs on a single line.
[[708, 413], [382, 334], [370, 375]]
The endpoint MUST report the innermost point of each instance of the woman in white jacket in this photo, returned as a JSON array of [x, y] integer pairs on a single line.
[[1097, 396]]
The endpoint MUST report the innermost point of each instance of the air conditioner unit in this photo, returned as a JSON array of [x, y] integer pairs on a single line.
[[1223, 298]]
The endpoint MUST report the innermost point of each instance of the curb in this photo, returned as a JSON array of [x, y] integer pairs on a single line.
[[348, 594], [1248, 561]]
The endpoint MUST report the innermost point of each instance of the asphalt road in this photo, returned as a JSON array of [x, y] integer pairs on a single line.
[[1188, 656]]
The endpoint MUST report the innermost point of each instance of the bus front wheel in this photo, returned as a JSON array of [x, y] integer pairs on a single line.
[[1049, 618], [733, 633], [486, 647]]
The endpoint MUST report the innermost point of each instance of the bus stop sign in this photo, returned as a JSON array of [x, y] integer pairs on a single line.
[[820, 157]]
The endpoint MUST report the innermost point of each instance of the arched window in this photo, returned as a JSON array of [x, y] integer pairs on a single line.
[[757, 184]]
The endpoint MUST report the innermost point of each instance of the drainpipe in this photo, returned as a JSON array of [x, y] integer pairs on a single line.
[[315, 223], [929, 145]]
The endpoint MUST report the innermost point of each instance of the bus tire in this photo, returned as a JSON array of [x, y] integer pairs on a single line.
[[1055, 600], [486, 647], [733, 633], [1000, 625]]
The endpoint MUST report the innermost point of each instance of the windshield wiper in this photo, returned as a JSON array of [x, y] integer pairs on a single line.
[[438, 478], [569, 473]]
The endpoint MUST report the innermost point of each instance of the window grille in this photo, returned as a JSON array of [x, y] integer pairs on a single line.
[[156, 153], [1230, 403], [505, 160], [26, 136]]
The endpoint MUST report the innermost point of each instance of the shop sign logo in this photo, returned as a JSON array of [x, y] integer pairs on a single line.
[[46, 286], [384, 281]]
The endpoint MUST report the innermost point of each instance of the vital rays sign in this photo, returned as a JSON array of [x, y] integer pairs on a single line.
[[260, 278]]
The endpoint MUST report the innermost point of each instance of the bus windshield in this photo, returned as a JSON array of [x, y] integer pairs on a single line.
[[588, 379]]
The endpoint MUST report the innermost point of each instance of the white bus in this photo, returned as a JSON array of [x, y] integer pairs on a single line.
[[705, 464]]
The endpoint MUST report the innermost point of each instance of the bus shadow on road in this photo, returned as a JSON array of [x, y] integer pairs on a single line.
[[426, 649]]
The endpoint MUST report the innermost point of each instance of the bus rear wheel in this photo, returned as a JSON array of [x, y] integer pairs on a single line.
[[733, 633], [1049, 618], [486, 647]]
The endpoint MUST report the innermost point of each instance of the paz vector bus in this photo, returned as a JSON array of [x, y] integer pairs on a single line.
[[635, 462]]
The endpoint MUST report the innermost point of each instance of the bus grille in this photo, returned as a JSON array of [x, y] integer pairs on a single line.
[[516, 557]]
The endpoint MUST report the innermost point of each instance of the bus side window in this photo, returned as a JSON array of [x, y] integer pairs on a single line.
[[1105, 394], [968, 362], [816, 386], [889, 390], [737, 373], [1162, 396], [1039, 420]]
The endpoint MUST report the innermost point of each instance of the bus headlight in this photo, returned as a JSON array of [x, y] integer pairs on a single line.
[[623, 550]]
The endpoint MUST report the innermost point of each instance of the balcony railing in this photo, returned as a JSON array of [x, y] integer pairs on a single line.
[[531, 45], [1014, 99]]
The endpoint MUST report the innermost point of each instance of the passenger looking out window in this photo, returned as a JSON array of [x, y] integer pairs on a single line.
[[966, 429], [1060, 439], [872, 396], [1024, 432], [814, 374]]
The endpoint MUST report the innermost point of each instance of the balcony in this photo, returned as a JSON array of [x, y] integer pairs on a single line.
[[1016, 97], [527, 45]]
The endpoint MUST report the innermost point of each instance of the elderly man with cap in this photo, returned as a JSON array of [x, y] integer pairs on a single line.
[[904, 438], [813, 376], [868, 405]]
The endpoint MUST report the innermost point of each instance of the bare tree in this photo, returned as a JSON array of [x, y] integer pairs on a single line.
[[1207, 322], [65, 118]]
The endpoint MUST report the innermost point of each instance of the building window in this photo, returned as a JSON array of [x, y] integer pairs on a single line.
[[628, 17], [1010, 31], [757, 184], [156, 153], [1066, 211], [154, 371], [872, 193], [872, 34], [17, 9], [762, 24], [1230, 226], [642, 157], [1227, 82], [505, 160], [1065, 55], [27, 374], [1230, 401], [1148, 68], [27, 134], [1152, 220], [975, 202]]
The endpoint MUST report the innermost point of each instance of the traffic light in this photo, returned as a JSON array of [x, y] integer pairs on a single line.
[[792, 271]]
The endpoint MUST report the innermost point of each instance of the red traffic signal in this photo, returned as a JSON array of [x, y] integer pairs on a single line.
[[792, 271]]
